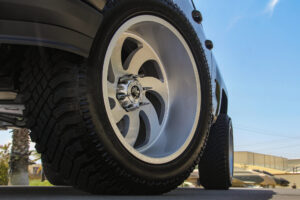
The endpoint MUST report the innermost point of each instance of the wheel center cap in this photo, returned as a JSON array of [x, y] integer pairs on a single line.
[[135, 92], [129, 92]]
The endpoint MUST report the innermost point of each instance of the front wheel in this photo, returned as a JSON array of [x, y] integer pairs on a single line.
[[134, 117]]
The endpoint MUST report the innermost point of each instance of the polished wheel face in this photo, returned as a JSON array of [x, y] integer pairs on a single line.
[[151, 89]]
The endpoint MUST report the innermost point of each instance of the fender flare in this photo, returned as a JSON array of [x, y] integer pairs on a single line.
[[69, 25]]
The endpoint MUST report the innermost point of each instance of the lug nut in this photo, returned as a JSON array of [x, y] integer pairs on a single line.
[[122, 96]]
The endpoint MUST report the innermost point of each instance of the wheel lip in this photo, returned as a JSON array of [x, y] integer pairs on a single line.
[[125, 26], [231, 152]]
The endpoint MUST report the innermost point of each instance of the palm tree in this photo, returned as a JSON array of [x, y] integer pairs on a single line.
[[4, 160], [19, 158]]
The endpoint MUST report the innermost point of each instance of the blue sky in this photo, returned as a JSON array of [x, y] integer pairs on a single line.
[[257, 46]]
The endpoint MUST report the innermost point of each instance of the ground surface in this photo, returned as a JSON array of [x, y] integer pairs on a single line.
[[66, 193], [37, 182]]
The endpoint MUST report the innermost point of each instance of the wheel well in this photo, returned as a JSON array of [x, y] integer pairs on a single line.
[[11, 57], [224, 103], [10, 64]]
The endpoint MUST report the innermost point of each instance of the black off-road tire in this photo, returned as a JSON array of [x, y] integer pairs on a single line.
[[216, 167], [68, 121]]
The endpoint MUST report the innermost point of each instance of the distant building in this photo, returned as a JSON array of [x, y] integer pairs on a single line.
[[262, 160]]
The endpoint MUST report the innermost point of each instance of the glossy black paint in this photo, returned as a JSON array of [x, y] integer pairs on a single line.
[[62, 24]]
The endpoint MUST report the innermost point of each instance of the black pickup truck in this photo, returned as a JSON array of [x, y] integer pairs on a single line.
[[121, 96]]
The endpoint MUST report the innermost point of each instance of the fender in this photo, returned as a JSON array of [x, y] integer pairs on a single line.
[[69, 25], [219, 91]]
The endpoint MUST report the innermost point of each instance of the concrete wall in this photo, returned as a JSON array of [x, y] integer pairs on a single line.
[[294, 162], [268, 161]]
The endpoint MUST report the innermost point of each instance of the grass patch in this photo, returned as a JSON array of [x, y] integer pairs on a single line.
[[37, 182]]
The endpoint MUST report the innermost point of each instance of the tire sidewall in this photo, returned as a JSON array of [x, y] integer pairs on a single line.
[[115, 14], [214, 167], [230, 146]]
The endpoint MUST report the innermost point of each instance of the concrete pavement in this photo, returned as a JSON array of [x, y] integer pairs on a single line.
[[67, 193]]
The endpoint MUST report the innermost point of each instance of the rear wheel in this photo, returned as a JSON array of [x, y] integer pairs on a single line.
[[216, 164], [134, 117]]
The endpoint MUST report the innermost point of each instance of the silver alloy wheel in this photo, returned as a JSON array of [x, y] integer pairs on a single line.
[[151, 89]]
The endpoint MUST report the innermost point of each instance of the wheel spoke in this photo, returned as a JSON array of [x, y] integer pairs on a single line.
[[156, 85], [111, 89], [116, 58], [152, 122], [117, 111], [134, 127], [137, 58]]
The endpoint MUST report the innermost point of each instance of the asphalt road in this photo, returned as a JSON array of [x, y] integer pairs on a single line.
[[67, 193]]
